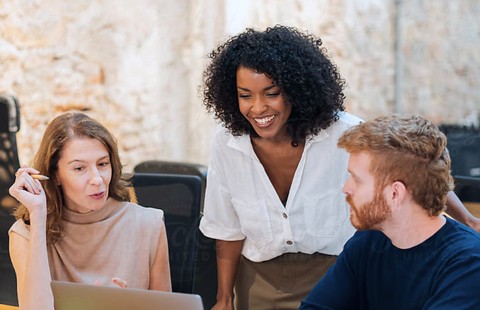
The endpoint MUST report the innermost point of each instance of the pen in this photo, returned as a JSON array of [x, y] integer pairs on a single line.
[[39, 177]]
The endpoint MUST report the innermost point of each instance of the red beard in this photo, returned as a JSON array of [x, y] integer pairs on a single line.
[[369, 215]]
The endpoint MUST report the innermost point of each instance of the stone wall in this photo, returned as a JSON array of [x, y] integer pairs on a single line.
[[136, 65]]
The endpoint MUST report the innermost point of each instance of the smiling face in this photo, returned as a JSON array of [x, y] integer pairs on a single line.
[[84, 173], [262, 103], [368, 206]]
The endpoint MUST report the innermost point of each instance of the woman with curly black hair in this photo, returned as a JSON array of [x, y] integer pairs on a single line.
[[274, 201]]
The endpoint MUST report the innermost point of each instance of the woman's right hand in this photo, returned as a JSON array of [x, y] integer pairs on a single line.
[[29, 191]]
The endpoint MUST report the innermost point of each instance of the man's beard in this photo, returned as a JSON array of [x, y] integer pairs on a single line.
[[371, 214]]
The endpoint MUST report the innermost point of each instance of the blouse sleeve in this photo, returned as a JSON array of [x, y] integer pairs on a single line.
[[20, 228], [219, 220]]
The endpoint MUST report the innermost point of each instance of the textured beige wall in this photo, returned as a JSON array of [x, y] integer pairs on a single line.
[[136, 65]]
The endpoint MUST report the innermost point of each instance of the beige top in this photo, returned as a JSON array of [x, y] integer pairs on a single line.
[[119, 240]]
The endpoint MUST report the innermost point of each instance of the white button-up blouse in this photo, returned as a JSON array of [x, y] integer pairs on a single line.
[[241, 202]]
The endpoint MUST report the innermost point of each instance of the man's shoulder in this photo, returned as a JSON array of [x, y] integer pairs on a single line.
[[461, 236]]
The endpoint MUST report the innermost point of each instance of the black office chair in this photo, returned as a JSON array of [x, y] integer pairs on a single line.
[[9, 125], [468, 190], [205, 283], [464, 147], [179, 198], [174, 167]]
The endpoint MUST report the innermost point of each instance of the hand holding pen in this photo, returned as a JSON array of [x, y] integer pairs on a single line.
[[28, 189]]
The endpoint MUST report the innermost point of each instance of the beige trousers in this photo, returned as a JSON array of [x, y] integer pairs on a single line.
[[280, 283]]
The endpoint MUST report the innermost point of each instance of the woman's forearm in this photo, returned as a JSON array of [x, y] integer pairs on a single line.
[[457, 210], [228, 255], [31, 265]]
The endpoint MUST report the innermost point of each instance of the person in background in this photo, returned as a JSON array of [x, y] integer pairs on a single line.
[[406, 254], [273, 199], [78, 225]]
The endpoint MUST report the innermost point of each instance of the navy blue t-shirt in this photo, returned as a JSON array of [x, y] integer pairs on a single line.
[[442, 272]]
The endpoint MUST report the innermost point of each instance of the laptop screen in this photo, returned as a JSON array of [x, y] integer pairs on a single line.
[[73, 296]]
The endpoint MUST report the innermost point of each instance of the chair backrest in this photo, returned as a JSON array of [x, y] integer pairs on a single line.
[[463, 144], [9, 125], [174, 167], [179, 198], [205, 283], [467, 188]]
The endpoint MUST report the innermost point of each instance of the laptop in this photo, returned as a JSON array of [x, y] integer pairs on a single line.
[[79, 296]]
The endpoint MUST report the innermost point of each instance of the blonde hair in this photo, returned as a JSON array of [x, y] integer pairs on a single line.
[[410, 149], [62, 129]]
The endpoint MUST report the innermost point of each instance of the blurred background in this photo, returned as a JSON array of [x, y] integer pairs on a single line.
[[136, 65]]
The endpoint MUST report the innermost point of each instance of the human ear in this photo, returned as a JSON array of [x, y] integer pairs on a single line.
[[398, 192]]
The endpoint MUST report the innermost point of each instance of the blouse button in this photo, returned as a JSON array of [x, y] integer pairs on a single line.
[[289, 242], [285, 215]]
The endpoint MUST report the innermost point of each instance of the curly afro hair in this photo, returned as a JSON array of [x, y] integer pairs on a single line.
[[296, 63]]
